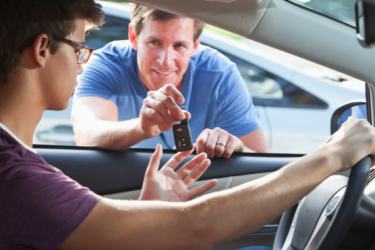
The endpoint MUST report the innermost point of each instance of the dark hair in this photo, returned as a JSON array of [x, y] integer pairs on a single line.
[[23, 20], [140, 13]]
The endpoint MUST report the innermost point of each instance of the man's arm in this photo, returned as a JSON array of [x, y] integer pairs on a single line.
[[255, 141], [95, 123], [214, 219], [95, 119]]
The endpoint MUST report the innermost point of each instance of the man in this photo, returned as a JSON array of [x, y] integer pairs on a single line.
[[41, 208], [130, 91]]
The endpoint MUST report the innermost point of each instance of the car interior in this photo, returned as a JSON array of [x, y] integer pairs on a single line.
[[329, 218]]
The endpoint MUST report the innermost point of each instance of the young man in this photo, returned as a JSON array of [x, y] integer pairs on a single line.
[[41, 208], [41, 43], [129, 91]]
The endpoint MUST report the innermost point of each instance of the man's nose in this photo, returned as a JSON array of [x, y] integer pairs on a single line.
[[166, 57]]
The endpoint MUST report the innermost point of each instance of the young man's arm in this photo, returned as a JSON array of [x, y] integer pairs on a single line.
[[95, 119], [217, 218]]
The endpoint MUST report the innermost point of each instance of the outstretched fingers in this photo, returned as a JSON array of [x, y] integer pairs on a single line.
[[196, 172], [186, 169], [177, 159], [154, 163], [201, 189]]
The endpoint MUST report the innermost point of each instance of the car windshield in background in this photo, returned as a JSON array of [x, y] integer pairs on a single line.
[[341, 10]]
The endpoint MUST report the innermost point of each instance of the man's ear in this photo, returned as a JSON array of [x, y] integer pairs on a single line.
[[40, 50], [133, 37], [196, 45]]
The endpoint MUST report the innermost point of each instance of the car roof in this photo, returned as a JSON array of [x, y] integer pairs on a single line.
[[285, 26]]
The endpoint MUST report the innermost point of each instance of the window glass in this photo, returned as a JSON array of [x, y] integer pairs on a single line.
[[269, 90], [113, 29], [294, 118], [341, 10]]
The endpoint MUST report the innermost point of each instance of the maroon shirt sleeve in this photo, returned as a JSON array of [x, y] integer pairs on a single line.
[[39, 206]]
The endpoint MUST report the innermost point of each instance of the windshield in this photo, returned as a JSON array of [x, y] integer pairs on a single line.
[[341, 10]]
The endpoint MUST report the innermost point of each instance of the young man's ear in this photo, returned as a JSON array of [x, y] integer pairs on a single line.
[[40, 50], [133, 37]]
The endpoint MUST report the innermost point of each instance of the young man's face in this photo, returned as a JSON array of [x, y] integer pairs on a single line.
[[63, 70], [164, 51]]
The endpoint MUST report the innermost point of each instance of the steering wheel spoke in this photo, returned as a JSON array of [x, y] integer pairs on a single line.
[[326, 214]]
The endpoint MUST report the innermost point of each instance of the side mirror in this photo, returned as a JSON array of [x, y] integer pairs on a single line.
[[356, 108], [365, 22]]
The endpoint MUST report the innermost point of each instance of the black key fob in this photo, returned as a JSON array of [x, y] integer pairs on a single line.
[[182, 136]]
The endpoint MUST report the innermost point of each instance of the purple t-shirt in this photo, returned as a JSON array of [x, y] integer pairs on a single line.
[[39, 206]]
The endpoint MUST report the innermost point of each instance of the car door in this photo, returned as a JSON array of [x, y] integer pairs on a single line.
[[119, 174]]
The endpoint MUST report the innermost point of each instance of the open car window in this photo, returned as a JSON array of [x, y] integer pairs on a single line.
[[294, 108]]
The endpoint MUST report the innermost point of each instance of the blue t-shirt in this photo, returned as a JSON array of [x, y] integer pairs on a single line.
[[214, 91]]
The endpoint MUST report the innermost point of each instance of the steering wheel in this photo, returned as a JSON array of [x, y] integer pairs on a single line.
[[324, 216]]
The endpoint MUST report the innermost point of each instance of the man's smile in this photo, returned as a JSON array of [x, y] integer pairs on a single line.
[[163, 73]]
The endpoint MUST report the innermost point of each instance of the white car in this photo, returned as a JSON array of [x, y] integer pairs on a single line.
[[293, 106]]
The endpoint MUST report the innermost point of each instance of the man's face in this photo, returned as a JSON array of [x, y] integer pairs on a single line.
[[63, 70], [164, 51]]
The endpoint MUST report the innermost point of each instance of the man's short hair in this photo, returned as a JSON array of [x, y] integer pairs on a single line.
[[23, 20], [140, 13]]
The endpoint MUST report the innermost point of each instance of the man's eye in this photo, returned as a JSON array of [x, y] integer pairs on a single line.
[[179, 45], [154, 42]]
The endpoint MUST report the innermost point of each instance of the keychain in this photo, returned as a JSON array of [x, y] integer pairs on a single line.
[[182, 136]]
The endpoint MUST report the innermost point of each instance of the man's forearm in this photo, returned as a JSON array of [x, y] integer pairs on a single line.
[[255, 141], [108, 134]]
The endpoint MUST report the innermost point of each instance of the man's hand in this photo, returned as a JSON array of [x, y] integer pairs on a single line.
[[160, 112], [170, 185], [218, 143]]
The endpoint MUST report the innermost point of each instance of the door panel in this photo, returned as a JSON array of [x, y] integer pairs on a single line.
[[222, 184], [119, 175], [108, 172]]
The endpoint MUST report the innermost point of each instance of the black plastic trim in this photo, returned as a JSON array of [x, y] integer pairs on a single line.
[[108, 172]]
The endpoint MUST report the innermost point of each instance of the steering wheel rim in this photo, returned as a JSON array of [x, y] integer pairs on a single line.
[[343, 216]]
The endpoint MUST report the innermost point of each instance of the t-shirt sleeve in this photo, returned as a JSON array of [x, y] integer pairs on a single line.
[[41, 207], [100, 76], [237, 114]]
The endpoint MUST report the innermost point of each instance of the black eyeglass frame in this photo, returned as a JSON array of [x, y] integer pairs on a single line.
[[83, 47]]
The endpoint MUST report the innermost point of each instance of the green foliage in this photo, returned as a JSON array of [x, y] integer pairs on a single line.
[[223, 32]]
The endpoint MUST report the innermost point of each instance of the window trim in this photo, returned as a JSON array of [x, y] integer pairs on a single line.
[[319, 13]]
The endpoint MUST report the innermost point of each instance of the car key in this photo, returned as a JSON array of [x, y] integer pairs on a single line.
[[182, 136]]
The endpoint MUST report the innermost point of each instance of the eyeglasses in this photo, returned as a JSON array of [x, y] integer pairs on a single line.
[[83, 55]]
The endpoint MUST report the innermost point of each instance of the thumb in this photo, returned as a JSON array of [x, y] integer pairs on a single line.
[[154, 163]]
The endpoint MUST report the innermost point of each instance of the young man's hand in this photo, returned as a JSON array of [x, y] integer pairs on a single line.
[[352, 142], [170, 185], [160, 111]]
